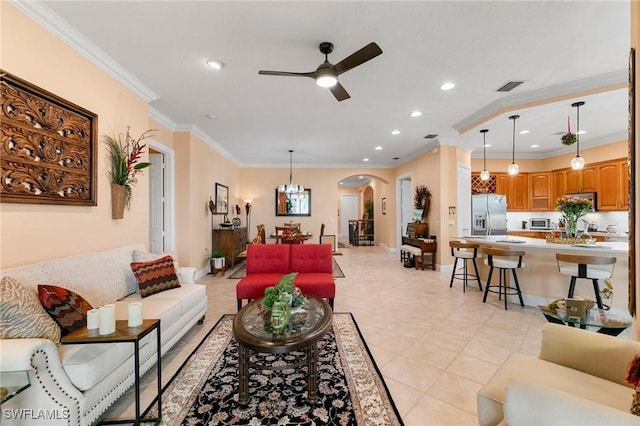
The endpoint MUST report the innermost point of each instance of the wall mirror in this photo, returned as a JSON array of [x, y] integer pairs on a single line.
[[293, 204]]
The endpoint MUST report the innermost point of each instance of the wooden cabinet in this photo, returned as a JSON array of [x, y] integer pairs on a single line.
[[613, 186], [231, 241], [528, 234], [516, 190], [557, 185], [580, 180], [540, 191]]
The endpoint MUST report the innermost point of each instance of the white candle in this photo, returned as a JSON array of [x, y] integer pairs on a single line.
[[107, 319], [135, 314], [93, 319]]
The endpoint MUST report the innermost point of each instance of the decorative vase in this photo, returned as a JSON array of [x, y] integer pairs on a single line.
[[635, 405], [572, 227], [118, 200], [280, 313]]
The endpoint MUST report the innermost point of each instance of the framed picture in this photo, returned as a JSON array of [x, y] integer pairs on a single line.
[[384, 206], [222, 199]]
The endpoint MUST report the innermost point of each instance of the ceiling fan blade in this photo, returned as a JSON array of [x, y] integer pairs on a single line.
[[287, 73], [339, 92], [368, 52]]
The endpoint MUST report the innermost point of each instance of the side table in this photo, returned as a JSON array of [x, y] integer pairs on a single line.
[[611, 322], [126, 334]]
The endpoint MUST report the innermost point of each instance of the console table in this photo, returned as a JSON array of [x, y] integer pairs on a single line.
[[231, 241]]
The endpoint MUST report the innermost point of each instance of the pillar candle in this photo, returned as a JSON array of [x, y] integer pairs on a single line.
[[93, 319], [107, 319], [135, 314]]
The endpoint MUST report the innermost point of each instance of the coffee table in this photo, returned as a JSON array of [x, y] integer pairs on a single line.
[[611, 322], [252, 330]]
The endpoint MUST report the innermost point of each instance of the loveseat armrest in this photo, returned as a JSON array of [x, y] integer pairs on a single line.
[[17, 353], [528, 403], [597, 354]]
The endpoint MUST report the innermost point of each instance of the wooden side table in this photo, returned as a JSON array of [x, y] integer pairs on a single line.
[[126, 334]]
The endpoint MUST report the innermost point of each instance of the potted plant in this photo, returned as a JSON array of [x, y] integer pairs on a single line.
[[218, 259], [124, 155]]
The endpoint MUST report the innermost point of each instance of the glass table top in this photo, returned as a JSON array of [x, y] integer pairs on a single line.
[[613, 318], [12, 383]]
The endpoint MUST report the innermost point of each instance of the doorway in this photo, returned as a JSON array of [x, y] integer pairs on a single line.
[[161, 211], [405, 206], [348, 211]]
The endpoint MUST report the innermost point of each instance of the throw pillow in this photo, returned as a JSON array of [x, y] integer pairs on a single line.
[[145, 256], [155, 276], [22, 315], [66, 307]]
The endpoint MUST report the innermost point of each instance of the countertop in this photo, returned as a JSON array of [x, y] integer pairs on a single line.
[[526, 243]]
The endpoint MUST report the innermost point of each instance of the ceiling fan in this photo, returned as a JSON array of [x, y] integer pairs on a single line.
[[326, 75]]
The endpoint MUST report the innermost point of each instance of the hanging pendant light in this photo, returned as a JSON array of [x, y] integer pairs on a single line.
[[577, 162], [290, 188], [513, 168], [484, 174]]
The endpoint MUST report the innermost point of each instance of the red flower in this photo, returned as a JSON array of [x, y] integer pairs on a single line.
[[633, 373]]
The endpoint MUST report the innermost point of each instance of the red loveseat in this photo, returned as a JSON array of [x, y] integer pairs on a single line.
[[268, 263]]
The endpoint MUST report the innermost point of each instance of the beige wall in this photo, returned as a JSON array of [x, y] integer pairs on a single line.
[[30, 232]]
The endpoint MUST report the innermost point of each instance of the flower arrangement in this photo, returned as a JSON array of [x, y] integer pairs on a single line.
[[633, 378], [285, 292], [291, 234], [124, 155], [572, 209]]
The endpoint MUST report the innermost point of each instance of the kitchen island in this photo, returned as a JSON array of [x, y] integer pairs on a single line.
[[540, 280]]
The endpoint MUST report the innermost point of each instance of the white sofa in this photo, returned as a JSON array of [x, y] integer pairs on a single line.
[[577, 379], [75, 384]]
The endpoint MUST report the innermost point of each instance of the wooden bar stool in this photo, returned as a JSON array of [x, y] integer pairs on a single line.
[[465, 252], [504, 260], [592, 268]]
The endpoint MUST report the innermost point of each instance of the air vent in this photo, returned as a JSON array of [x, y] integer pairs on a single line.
[[431, 136], [507, 87]]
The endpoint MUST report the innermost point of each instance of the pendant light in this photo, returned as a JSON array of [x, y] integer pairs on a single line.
[[290, 188], [577, 162], [513, 168], [484, 174]]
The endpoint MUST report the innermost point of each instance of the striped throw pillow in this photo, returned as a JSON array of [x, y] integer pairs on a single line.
[[155, 276], [66, 307], [21, 314]]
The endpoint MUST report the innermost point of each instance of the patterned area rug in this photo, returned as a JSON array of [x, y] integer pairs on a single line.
[[350, 389], [241, 272]]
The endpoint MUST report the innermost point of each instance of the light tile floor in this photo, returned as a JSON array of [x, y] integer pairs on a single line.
[[435, 346]]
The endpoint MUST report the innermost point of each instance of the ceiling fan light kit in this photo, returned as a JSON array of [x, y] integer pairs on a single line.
[[513, 168], [484, 174], [577, 162], [290, 188], [326, 75]]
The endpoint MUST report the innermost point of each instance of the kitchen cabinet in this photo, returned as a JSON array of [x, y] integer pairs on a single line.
[[516, 190], [540, 191], [580, 180], [528, 234], [613, 186], [232, 242]]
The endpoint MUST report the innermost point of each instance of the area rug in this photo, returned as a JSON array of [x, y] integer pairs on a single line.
[[241, 272], [351, 390]]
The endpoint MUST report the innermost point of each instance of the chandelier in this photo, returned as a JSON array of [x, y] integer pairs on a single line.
[[290, 188], [577, 162]]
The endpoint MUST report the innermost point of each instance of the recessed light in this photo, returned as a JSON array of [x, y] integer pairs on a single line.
[[447, 86], [524, 132], [581, 132], [378, 148], [487, 145], [340, 183], [416, 114], [216, 64], [210, 116], [535, 145], [395, 132], [360, 177], [365, 159]]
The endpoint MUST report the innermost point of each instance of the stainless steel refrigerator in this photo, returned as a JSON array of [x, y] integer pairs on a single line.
[[489, 214]]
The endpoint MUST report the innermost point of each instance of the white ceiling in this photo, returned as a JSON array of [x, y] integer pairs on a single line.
[[559, 48]]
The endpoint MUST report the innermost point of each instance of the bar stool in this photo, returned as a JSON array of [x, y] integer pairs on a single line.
[[504, 260], [465, 252], [592, 268]]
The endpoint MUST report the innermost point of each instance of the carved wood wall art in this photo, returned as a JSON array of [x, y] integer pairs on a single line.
[[49, 147]]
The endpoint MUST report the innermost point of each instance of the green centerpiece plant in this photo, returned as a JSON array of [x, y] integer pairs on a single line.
[[572, 209], [279, 299]]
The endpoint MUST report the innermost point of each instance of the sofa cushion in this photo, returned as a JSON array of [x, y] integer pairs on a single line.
[[269, 258], [320, 284], [189, 296], [155, 276], [66, 307], [531, 369], [311, 258], [253, 286], [21, 314]]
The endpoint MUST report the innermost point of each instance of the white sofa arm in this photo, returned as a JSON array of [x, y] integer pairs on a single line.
[[597, 354], [531, 404], [17, 353], [187, 275]]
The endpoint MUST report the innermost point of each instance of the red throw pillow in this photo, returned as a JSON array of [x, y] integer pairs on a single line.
[[155, 276], [66, 307]]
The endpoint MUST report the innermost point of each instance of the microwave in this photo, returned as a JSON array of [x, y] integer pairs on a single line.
[[539, 223]]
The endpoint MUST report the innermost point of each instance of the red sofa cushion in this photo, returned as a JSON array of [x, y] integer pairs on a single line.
[[267, 258], [252, 285], [319, 283], [311, 258]]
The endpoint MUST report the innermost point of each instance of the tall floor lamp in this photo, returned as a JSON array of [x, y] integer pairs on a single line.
[[247, 208]]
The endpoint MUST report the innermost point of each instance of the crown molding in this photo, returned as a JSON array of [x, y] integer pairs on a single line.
[[598, 83], [44, 16]]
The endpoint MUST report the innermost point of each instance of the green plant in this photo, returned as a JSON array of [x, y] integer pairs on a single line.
[[368, 208], [568, 138], [217, 254], [124, 155], [285, 291]]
